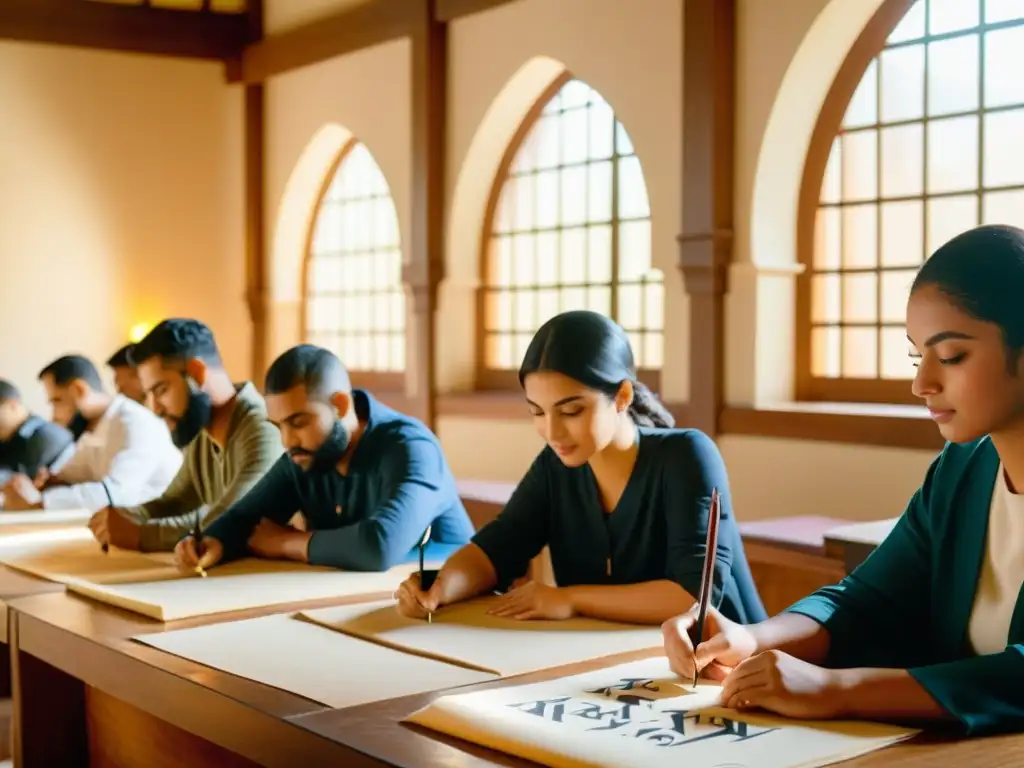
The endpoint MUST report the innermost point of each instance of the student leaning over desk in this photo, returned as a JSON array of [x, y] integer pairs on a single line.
[[620, 496], [931, 626]]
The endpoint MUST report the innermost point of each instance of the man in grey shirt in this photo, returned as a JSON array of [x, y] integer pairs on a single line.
[[28, 443], [221, 426]]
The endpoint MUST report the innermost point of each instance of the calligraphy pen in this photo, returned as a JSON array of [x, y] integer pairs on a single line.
[[110, 505], [707, 577], [426, 577], [197, 538]]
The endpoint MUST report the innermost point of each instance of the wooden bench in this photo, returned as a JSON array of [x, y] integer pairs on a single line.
[[787, 555]]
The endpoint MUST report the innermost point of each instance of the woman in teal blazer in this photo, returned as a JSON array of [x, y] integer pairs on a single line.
[[931, 626]]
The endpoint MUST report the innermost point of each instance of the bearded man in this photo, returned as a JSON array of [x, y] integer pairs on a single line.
[[368, 480], [221, 427]]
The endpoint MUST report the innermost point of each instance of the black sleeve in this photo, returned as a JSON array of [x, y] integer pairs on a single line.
[[45, 446], [520, 531]]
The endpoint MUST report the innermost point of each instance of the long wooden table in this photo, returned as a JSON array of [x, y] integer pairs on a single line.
[[85, 694], [851, 544]]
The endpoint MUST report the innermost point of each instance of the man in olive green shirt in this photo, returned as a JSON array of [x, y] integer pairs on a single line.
[[222, 427]]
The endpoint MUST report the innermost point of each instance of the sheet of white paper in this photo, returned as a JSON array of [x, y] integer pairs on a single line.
[[239, 586], [310, 661], [43, 517], [640, 714], [465, 634]]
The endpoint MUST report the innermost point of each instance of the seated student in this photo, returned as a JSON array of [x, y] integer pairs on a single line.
[[28, 443], [931, 626], [228, 442], [368, 480], [123, 452], [126, 380], [621, 498]]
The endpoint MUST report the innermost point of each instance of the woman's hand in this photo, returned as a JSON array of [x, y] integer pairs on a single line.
[[534, 601], [783, 684], [188, 560], [417, 603], [724, 644]]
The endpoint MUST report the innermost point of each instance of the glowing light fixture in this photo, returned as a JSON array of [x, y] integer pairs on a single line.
[[138, 332]]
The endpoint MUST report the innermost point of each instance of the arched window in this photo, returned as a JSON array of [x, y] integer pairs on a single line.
[[929, 144], [355, 300], [569, 227]]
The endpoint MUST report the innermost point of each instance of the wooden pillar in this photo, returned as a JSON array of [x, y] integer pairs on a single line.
[[425, 269], [256, 257], [705, 245]]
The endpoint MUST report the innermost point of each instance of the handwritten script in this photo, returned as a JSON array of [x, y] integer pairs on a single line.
[[637, 708]]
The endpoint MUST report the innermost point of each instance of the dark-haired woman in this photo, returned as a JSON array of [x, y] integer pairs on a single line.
[[931, 626], [621, 498]]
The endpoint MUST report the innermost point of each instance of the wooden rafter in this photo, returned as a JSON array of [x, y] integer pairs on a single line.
[[127, 28]]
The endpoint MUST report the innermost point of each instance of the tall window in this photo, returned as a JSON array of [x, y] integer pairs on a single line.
[[355, 300], [570, 229], [931, 144]]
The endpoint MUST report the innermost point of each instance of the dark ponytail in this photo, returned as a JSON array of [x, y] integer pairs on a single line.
[[647, 411], [594, 350]]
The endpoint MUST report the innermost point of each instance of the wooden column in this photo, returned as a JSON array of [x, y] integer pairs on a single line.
[[255, 240], [705, 245], [425, 269]]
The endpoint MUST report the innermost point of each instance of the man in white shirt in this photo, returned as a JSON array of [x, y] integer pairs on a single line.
[[123, 456]]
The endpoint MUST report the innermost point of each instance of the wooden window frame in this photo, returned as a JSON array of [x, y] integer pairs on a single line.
[[491, 380], [389, 382], [869, 44]]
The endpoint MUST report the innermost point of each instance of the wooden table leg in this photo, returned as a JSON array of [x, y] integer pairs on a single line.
[[49, 714]]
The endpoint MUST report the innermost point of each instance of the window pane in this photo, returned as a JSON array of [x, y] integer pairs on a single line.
[[948, 217], [860, 297], [573, 298], [896, 362], [1004, 148], [632, 191], [863, 109], [895, 293], [953, 75], [911, 26], [825, 299], [902, 160], [501, 261], [524, 311], [952, 15], [825, 349], [547, 306], [653, 351], [1004, 61], [547, 199], [599, 254], [547, 258], [860, 353], [623, 144], [522, 342], [634, 249], [574, 256], [601, 131], [1004, 208], [860, 236], [599, 189], [574, 196], [902, 83], [599, 299], [828, 239], [953, 154], [1002, 10], [902, 233], [524, 266], [575, 146], [525, 205], [860, 165], [654, 305], [630, 310]]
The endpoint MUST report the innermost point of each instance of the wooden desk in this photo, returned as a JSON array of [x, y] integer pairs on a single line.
[[85, 694], [375, 729], [852, 543]]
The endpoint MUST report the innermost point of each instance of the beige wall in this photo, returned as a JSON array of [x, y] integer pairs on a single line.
[[120, 203], [631, 52]]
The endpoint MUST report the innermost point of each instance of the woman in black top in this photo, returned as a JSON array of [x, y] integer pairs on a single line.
[[620, 496]]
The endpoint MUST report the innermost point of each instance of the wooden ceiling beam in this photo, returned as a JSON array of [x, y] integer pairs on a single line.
[[126, 28], [346, 31], [447, 10]]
